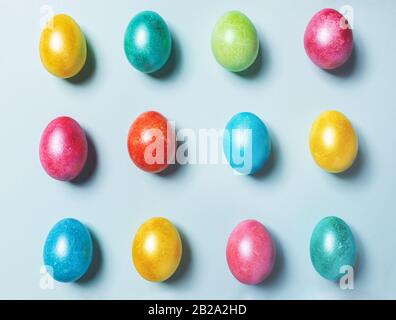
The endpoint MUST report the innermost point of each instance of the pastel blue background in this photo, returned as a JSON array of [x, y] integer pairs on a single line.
[[205, 202]]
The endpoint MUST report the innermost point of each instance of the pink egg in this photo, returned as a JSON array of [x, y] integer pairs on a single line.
[[328, 39], [250, 252], [63, 149]]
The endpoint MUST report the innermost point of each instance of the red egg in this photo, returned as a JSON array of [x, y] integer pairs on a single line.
[[151, 142], [63, 149], [328, 39], [250, 252]]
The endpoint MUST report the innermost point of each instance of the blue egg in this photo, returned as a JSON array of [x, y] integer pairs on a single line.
[[246, 143], [68, 250], [147, 42], [332, 248]]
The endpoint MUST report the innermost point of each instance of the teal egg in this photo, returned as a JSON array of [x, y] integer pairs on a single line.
[[147, 42], [332, 247]]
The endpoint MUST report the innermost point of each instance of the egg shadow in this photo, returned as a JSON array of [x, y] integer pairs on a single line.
[[174, 168], [170, 171], [359, 164], [272, 162], [279, 265], [172, 66], [87, 72], [360, 257], [255, 69], [96, 266], [350, 67], [358, 267], [185, 263], [90, 166], [260, 65]]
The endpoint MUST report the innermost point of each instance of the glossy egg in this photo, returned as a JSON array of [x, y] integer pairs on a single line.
[[235, 43], [68, 250], [151, 142], [246, 143], [332, 247], [250, 252], [63, 49], [333, 142], [328, 39], [63, 149], [147, 42], [157, 250]]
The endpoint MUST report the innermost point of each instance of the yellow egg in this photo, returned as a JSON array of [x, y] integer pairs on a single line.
[[63, 49], [156, 249], [333, 142]]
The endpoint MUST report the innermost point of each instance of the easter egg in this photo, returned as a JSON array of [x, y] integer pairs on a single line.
[[157, 250], [332, 248], [333, 142], [250, 252], [328, 39], [63, 149], [68, 250], [63, 49], [151, 142], [235, 43], [147, 42], [246, 143]]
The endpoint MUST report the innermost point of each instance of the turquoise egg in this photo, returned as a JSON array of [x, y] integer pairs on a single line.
[[246, 143], [332, 247], [147, 42], [68, 250]]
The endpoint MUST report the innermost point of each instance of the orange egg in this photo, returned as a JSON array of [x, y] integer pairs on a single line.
[[63, 49], [157, 250], [333, 142]]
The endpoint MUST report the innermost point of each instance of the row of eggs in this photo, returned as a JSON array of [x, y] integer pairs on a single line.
[[157, 246], [328, 41], [151, 144], [157, 250]]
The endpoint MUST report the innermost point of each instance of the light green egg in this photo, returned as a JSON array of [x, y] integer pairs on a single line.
[[235, 44]]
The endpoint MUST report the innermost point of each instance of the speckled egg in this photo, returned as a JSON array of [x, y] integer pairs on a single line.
[[250, 252], [235, 43], [63, 149], [147, 42], [328, 39], [332, 247], [152, 142], [63, 48], [68, 250], [157, 250], [246, 143], [333, 142]]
